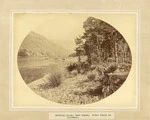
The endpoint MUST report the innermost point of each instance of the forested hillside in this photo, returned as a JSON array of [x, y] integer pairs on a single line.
[[35, 44], [102, 42]]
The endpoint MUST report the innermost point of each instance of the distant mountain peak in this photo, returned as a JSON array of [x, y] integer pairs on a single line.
[[36, 44]]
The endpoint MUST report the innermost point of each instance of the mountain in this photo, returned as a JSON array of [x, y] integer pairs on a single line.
[[67, 44], [35, 44]]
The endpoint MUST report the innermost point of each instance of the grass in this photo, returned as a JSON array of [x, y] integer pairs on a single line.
[[80, 89], [53, 79], [73, 88]]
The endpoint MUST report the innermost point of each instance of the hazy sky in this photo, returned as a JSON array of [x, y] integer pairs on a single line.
[[62, 29]]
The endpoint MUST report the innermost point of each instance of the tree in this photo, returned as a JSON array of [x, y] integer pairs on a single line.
[[94, 36], [79, 50], [102, 42]]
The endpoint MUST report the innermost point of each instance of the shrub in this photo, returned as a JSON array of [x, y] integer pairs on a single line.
[[124, 67], [95, 59], [23, 53], [53, 80], [91, 76], [111, 68], [71, 67]]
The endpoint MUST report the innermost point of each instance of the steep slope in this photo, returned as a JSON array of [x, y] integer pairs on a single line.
[[35, 44]]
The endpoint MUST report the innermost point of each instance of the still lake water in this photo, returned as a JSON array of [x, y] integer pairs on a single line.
[[34, 62], [33, 68]]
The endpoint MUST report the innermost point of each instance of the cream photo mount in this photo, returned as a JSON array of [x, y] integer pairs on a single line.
[[86, 108]]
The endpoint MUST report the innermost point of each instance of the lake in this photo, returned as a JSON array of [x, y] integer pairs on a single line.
[[33, 68]]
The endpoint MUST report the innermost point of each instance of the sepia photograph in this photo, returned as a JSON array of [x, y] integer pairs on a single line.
[[74, 60]]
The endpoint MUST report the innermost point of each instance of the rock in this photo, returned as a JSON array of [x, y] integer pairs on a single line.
[[74, 72], [93, 67]]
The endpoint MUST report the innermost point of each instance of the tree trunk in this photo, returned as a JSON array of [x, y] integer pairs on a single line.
[[89, 59], [123, 56], [116, 52], [79, 58], [98, 50], [79, 63]]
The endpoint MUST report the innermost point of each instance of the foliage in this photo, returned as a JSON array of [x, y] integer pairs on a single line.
[[94, 58], [23, 53], [71, 67], [54, 80], [79, 50], [111, 68], [102, 41], [85, 66], [124, 67]]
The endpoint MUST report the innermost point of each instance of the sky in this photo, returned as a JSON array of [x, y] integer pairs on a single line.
[[62, 28]]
